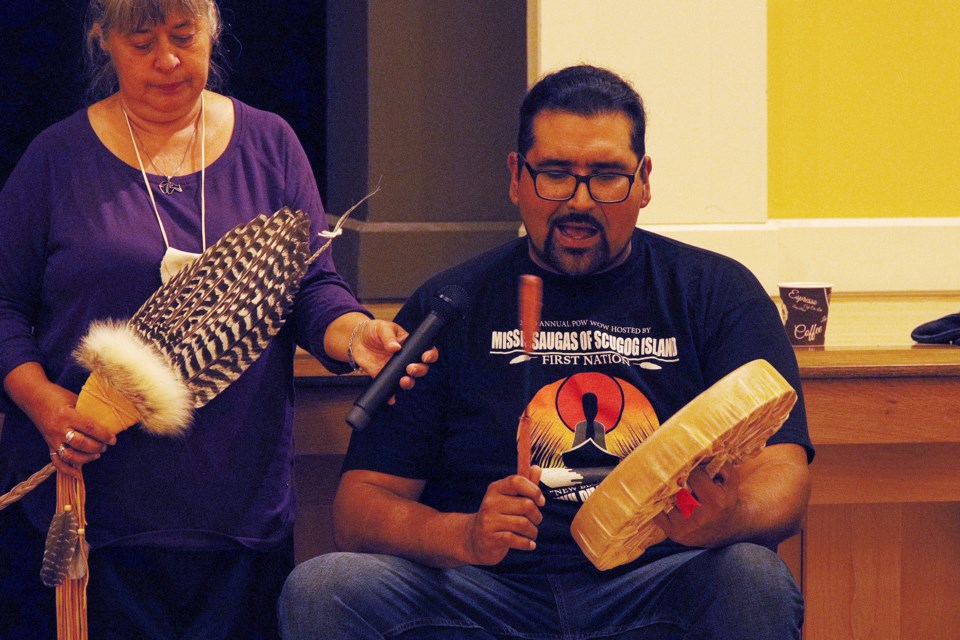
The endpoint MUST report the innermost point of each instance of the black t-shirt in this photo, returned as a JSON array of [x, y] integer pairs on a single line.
[[617, 354]]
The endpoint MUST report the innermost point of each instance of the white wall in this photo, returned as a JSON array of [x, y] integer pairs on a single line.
[[700, 66], [855, 254], [701, 70]]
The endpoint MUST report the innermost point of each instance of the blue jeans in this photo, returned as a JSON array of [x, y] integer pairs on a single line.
[[739, 592]]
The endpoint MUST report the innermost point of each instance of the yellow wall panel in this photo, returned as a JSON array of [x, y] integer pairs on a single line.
[[863, 108]]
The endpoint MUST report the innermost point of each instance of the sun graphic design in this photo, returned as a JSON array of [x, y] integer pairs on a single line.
[[582, 426]]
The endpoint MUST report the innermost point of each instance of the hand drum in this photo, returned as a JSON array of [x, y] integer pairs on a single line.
[[729, 422]]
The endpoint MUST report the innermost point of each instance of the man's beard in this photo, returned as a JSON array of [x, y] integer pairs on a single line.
[[574, 262]]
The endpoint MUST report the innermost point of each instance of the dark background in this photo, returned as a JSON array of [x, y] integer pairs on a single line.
[[275, 55], [419, 94]]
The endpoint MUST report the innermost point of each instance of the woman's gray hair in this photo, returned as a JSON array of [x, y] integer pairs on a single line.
[[125, 16]]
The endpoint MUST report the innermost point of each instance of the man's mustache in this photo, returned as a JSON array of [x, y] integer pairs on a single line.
[[576, 218]]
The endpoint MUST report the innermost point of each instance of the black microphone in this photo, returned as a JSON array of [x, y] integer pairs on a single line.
[[450, 302]]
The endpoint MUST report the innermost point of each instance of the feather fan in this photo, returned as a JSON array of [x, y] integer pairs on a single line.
[[198, 332], [215, 317]]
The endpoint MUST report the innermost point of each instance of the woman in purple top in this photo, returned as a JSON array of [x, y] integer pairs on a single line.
[[190, 537]]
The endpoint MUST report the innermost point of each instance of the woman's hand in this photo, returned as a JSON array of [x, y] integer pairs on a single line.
[[376, 341], [369, 345], [72, 438]]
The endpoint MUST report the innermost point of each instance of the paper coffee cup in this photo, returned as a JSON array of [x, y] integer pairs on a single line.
[[805, 307]]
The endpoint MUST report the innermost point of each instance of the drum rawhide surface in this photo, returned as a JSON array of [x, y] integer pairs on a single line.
[[729, 422]]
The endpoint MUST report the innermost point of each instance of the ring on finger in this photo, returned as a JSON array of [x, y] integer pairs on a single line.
[[63, 447], [70, 436]]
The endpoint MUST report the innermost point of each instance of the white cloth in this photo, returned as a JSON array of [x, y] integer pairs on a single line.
[[173, 261]]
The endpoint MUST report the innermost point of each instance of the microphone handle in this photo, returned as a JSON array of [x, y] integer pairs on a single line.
[[385, 384]]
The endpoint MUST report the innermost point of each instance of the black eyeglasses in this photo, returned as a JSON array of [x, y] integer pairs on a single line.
[[560, 186]]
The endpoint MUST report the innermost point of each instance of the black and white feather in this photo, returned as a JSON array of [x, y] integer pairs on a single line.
[[62, 544], [208, 323], [214, 318]]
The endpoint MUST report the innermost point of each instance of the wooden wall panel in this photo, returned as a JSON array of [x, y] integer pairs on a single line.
[[315, 482], [930, 561], [851, 572], [791, 552], [886, 473], [883, 410]]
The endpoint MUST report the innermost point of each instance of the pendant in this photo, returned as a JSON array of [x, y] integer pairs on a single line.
[[173, 262], [168, 186]]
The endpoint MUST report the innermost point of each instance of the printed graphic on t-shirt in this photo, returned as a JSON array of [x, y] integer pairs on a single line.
[[591, 343], [582, 425]]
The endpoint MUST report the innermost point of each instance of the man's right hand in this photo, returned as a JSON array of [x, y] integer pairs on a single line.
[[508, 518]]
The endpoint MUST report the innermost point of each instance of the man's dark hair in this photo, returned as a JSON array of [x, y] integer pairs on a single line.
[[587, 91]]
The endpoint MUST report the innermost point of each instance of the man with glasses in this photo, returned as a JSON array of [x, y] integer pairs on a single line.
[[443, 539]]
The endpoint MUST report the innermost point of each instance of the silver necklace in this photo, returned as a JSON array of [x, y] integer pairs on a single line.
[[203, 176], [168, 186]]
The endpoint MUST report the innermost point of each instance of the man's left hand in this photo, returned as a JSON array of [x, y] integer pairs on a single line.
[[710, 523]]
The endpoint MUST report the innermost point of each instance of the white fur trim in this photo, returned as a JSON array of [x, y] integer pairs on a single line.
[[138, 371]]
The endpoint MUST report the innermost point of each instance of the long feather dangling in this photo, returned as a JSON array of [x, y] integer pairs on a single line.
[[60, 548]]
